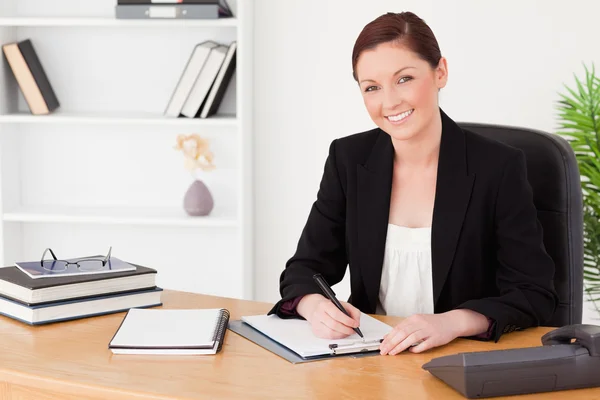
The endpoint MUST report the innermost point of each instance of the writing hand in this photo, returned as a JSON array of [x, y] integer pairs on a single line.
[[326, 320]]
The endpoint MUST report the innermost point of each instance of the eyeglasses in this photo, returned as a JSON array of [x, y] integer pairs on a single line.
[[83, 264]]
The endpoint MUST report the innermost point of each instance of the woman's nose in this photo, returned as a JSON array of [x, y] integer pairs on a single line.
[[391, 98]]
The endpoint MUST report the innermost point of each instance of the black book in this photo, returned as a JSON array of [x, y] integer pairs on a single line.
[[16, 285], [31, 77], [219, 86]]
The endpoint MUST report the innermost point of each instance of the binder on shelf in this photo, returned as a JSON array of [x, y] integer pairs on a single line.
[[167, 11], [130, 2], [223, 8], [171, 332], [31, 77]]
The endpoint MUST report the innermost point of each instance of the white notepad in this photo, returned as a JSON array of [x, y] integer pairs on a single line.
[[296, 335], [162, 331]]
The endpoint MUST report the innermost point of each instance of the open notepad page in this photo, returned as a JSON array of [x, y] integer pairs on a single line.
[[296, 334], [161, 331]]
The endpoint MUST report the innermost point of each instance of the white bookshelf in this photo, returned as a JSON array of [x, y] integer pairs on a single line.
[[157, 216], [116, 118], [111, 22], [102, 170]]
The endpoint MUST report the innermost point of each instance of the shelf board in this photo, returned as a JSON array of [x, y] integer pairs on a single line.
[[117, 118], [113, 22], [170, 217]]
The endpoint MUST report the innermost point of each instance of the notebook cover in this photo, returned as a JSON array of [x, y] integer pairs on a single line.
[[16, 276], [248, 332], [218, 336]]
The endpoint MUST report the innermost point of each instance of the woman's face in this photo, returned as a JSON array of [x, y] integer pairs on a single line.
[[399, 89]]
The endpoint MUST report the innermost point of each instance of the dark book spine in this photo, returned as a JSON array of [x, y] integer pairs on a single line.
[[166, 2], [213, 106], [35, 66]]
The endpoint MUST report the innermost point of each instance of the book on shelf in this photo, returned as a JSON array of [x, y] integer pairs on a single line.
[[59, 311], [202, 85], [31, 77], [58, 268], [188, 77], [171, 332], [16, 285], [204, 80], [217, 91]]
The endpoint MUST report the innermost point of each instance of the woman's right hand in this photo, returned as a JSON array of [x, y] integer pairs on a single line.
[[325, 319]]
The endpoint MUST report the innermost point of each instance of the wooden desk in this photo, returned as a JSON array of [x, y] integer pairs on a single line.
[[71, 360]]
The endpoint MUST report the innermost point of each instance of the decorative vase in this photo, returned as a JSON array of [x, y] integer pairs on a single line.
[[197, 200]]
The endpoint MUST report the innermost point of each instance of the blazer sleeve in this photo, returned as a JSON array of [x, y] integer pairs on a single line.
[[525, 276], [321, 247]]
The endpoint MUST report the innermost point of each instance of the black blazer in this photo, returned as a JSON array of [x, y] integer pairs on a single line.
[[487, 249]]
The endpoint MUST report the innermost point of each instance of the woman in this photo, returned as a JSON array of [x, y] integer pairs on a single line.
[[437, 224]]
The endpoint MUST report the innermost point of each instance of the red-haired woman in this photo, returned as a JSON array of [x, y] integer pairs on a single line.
[[437, 224]]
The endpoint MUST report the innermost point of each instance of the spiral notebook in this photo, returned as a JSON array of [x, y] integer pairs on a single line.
[[171, 332]]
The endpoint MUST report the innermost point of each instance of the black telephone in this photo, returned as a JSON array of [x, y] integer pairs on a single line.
[[569, 358]]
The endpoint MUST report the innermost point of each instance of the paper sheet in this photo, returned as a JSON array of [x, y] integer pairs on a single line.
[[297, 335]]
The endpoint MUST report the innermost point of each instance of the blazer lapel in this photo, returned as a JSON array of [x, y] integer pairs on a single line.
[[373, 205], [453, 191]]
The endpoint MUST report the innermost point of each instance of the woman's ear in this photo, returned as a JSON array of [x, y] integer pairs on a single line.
[[441, 73]]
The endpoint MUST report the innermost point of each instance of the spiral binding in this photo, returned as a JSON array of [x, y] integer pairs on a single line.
[[222, 322]]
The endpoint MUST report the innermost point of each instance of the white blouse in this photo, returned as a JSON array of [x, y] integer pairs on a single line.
[[406, 281]]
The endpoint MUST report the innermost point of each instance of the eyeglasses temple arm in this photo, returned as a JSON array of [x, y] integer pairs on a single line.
[[107, 256], [44, 254]]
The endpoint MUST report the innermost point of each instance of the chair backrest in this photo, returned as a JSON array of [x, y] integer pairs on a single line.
[[553, 174]]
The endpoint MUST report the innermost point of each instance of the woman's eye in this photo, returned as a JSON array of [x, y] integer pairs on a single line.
[[370, 88], [404, 79]]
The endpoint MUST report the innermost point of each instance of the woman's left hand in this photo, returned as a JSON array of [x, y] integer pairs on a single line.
[[426, 331]]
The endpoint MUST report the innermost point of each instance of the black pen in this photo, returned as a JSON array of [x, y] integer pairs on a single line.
[[331, 296]]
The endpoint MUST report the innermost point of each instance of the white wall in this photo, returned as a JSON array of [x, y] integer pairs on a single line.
[[507, 60]]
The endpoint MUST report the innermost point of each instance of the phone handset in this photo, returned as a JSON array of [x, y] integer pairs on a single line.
[[587, 336]]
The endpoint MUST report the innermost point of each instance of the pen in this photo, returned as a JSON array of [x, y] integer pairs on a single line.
[[331, 296]]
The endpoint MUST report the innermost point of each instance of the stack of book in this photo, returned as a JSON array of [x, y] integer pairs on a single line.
[[35, 296], [202, 84], [172, 9]]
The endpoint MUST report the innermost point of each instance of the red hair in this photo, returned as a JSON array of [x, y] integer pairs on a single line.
[[405, 29]]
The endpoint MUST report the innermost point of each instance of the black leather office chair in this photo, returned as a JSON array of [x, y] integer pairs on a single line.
[[553, 174]]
